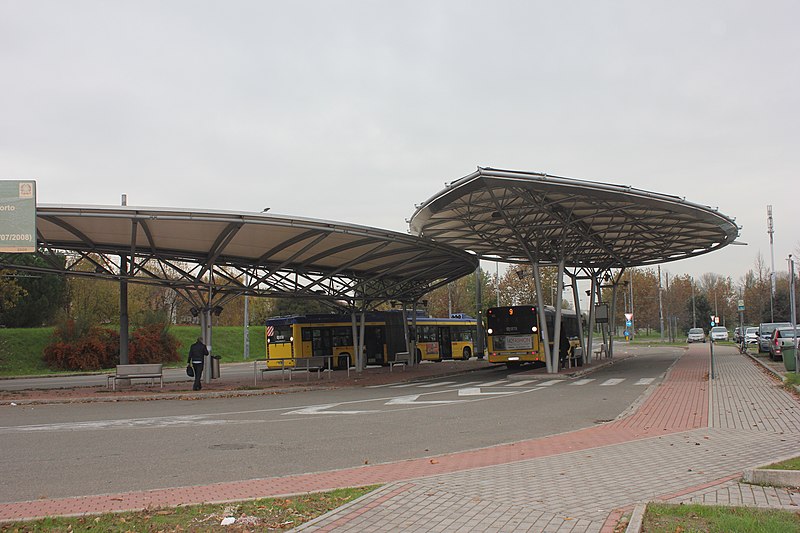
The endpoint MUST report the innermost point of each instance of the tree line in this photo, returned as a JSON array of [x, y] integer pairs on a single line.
[[32, 300]]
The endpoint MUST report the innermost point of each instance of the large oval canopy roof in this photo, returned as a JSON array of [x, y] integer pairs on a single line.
[[255, 253], [521, 216]]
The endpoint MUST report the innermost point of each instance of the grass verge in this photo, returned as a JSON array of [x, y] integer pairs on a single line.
[[663, 518], [789, 464], [270, 514], [22, 349]]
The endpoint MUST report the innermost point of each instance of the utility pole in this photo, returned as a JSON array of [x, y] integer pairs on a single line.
[[660, 306], [793, 312], [771, 231]]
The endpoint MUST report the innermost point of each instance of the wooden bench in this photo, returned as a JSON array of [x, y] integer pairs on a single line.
[[401, 358], [149, 371]]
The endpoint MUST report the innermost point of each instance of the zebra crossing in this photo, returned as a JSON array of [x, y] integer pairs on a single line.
[[519, 384]]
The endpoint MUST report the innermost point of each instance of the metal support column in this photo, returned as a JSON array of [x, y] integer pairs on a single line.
[[577, 300], [589, 340], [557, 324], [542, 320]]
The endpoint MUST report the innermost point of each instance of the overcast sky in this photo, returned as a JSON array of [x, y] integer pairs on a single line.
[[356, 111]]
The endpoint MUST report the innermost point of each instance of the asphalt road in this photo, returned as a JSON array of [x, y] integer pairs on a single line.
[[94, 448]]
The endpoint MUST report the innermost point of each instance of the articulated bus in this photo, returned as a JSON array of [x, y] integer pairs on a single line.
[[514, 335], [384, 336]]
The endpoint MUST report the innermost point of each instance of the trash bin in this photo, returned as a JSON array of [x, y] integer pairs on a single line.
[[788, 358], [215, 366]]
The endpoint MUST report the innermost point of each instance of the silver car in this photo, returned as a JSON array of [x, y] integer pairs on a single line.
[[696, 335]]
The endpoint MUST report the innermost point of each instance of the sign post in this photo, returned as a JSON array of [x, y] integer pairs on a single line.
[[18, 216]]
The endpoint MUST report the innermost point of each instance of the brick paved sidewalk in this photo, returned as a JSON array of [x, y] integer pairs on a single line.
[[665, 450]]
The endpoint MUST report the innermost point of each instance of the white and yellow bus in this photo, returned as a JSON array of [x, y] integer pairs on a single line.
[[332, 335], [514, 334]]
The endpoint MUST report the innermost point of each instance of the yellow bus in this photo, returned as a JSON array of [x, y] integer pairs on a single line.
[[330, 334], [445, 338], [514, 334]]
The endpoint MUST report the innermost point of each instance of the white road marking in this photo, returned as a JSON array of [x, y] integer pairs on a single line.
[[437, 384], [412, 399], [324, 410], [521, 383], [125, 423], [583, 381], [493, 383], [476, 391], [645, 381], [549, 382], [612, 381]]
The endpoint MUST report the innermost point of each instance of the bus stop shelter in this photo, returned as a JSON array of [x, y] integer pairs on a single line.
[[587, 230], [210, 257]]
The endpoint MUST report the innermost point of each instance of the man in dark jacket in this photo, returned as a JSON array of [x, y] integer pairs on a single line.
[[197, 353]]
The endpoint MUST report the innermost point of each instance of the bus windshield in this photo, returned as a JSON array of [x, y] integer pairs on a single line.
[[279, 334], [518, 320]]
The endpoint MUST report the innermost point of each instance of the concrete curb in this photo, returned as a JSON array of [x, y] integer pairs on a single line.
[[635, 523], [773, 478], [771, 370]]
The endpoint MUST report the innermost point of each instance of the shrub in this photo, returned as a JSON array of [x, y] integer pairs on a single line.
[[77, 346], [98, 348], [152, 343]]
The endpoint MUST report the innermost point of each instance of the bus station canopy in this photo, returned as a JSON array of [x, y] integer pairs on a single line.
[[517, 217], [232, 253]]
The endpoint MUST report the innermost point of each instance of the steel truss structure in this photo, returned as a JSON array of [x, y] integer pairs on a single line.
[[588, 230], [210, 257]]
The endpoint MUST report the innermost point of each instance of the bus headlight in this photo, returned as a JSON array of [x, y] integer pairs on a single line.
[[489, 331], [534, 329], [291, 339]]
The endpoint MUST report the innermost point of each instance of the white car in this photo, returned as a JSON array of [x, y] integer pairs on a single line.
[[751, 336], [696, 335], [719, 333]]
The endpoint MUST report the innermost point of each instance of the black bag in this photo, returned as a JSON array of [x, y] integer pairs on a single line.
[[190, 370]]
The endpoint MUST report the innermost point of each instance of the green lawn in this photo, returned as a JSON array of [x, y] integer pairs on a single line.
[[21, 348], [789, 464], [664, 518]]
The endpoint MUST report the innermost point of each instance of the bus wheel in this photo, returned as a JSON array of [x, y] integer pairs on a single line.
[[467, 353], [342, 362], [419, 356]]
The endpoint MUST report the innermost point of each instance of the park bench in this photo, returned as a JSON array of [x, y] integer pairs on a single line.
[[315, 362], [600, 352], [401, 358], [149, 371]]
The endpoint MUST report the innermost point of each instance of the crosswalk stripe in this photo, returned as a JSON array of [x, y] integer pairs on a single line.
[[583, 381], [492, 383], [612, 381], [548, 383], [521, 383], [437, 384], [404, 385], [645, 381]]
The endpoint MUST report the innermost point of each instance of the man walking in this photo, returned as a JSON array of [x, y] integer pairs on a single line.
[[197, 353]]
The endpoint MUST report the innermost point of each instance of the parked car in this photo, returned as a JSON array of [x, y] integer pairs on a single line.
[[751, 336], [765, 330], [782, 338], [696, 335], [719, 333]]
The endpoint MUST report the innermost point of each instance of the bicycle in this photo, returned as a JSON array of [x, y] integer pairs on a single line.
[[743, 346]]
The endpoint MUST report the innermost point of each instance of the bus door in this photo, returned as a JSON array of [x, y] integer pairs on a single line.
[[321, 341], [374, 341], [445, 342]]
